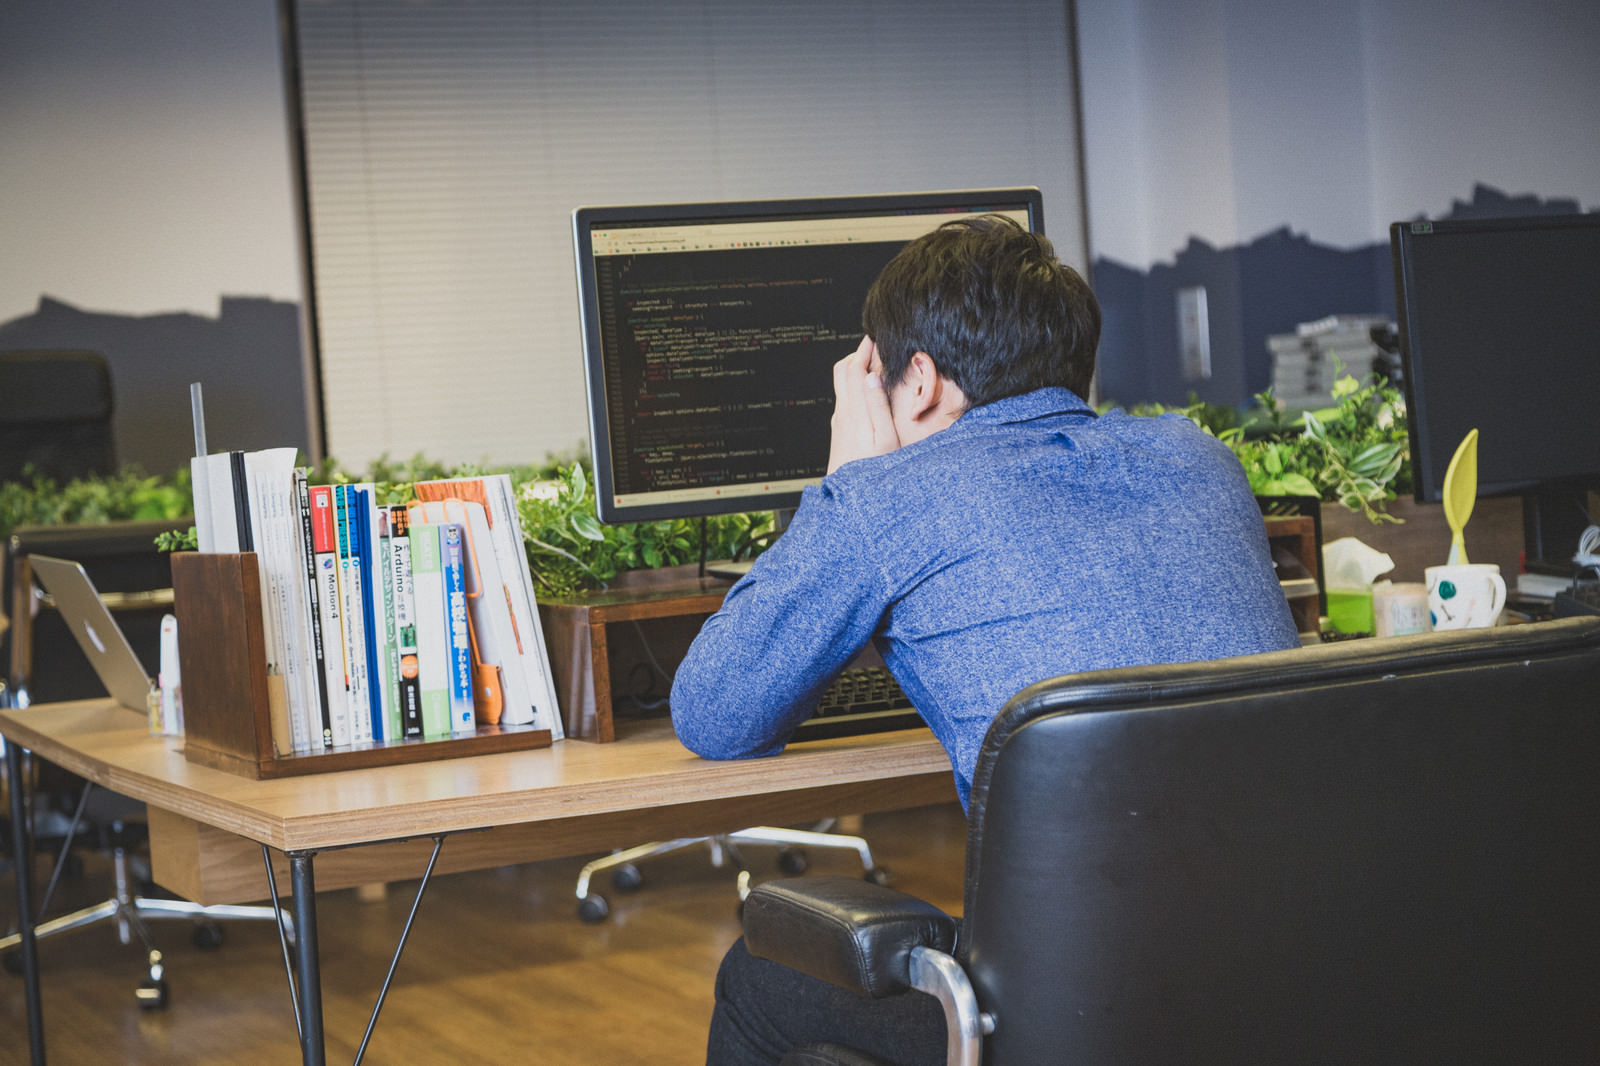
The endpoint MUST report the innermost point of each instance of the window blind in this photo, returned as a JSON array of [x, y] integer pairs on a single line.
[[446, 143]]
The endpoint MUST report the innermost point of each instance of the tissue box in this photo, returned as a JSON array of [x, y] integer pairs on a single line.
[[1350, 609]]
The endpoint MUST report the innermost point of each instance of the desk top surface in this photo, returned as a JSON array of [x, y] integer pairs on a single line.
[[644, 768]]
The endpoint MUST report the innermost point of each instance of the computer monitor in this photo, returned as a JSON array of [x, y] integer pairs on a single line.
[[710, 331], [1500, 330]]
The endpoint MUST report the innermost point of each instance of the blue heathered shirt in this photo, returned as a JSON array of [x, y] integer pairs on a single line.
[[1029, 539]]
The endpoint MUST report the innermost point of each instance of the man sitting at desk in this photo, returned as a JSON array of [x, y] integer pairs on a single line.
[[986, 530]]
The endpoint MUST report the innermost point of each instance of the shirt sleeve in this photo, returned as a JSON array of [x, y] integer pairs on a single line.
[[804, 610]]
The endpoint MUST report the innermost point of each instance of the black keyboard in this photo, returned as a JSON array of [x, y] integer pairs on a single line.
[[861, 700], [1578, 600]]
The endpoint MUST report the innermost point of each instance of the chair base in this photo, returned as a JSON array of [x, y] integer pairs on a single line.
[[593, 907], [129, 911]]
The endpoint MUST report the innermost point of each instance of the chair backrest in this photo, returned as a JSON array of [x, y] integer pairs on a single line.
[[1369, 852], [55, 415]]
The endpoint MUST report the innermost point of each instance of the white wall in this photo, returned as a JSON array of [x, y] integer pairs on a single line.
[[1226, 119], [143, 155], [1500, 92]]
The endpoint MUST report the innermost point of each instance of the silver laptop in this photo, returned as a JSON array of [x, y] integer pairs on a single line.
[[98, 634]]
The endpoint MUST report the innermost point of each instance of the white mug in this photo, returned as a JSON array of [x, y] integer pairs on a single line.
[[1465, 596]]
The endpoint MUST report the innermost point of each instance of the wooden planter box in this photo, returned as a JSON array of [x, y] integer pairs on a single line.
[[1293, 540], [582, 650], [1422, 537]]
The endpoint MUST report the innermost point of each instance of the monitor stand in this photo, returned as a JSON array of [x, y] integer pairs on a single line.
[[734, 569]]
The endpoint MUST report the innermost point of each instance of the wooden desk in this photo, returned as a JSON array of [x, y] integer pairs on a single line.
[[208, 827]]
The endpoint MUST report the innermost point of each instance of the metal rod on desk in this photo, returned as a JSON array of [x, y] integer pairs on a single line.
[[197, 409], [303, 880], [22, 848]]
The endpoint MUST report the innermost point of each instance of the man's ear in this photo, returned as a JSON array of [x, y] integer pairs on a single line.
[[923, 390]]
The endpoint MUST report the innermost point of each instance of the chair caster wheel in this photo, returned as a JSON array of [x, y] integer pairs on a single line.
[[593, 909], [626, 878], [878, 875], [207, 936], [794, 861], [152, 991], [152, 995]]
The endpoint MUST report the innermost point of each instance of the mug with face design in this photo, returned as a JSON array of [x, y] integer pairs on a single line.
[[1465, 596]]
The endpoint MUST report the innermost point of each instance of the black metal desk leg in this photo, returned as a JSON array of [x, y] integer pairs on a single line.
[[303, 880], [22, 853]]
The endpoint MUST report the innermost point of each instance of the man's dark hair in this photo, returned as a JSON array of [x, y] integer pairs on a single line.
[[992, 306]]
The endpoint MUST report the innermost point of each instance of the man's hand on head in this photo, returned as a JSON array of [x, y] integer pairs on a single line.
[[862, 425]]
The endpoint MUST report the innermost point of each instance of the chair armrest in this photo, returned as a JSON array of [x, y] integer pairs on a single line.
[[847, 932]]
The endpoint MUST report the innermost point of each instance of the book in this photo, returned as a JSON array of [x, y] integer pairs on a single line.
[[325, 556], [374, 630], [510, 543], [1360, 324], [352, 614], [496, 495], [250, 505], [407, 686], [200, 487], [268, 478], [317, 722], [241, 502], [498, 683], [452, 565], [389, 643], [219, 504], [433, 645], [300, 661]]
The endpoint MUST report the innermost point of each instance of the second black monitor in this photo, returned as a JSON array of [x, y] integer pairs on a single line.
[[710, 332]]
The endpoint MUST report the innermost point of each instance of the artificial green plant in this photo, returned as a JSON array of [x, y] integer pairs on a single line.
[[570, 550], [1353, 454]]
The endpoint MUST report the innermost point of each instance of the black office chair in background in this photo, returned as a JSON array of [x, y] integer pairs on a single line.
[[1377, 852], [46, 665], [55, 415], [55, 422]]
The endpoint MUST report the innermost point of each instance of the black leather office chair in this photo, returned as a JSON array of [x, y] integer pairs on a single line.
[[55, 415], [1376, 852]]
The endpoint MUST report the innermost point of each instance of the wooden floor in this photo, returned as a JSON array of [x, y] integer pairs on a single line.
[[498, 969]]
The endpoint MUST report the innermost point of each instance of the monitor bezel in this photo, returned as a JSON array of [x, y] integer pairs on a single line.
[[1429, 464], [585, 218]]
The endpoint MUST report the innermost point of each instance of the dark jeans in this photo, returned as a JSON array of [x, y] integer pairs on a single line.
[[765, 1010]]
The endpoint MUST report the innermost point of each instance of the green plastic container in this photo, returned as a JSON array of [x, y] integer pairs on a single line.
[[1350, 610]]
